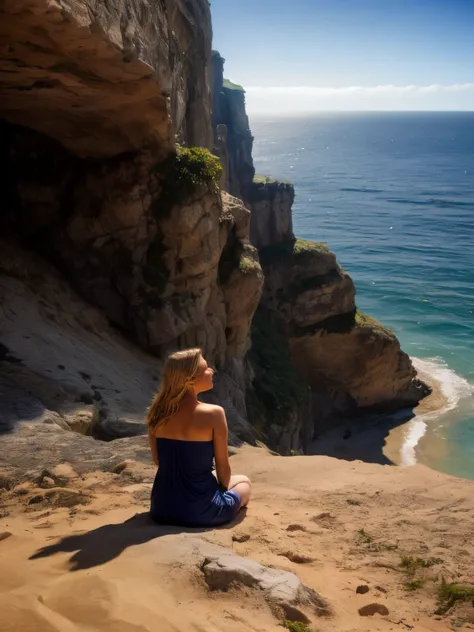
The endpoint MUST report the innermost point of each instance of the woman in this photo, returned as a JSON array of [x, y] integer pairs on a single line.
[[185, 437]]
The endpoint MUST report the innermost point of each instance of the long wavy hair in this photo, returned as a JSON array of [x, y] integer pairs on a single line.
[[179, 374]]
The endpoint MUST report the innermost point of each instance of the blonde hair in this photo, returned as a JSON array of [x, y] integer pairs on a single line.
[[179, 374]]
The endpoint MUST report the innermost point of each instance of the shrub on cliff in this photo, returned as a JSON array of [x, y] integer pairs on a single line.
[[183, 172]]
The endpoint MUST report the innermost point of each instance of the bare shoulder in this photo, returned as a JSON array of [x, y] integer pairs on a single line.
[[213, 413]]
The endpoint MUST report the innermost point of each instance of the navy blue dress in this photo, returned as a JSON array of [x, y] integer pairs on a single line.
[[185, 491]]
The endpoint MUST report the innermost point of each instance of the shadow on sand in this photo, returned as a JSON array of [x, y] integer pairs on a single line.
[[362, 439], [101, 545]]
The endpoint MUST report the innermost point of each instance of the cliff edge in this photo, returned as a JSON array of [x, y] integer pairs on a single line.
[[329, 361]]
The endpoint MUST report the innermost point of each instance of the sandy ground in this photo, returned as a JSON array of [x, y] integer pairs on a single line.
[[102, 566]]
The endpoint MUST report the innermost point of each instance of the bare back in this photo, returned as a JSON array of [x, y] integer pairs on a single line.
[[194, 421]]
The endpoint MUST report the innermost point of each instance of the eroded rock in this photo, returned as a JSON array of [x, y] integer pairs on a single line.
[[281, 589]]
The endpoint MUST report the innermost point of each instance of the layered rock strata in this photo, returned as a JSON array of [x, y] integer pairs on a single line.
[[229, 110], [93, 99], [328, 360], [352, 363]]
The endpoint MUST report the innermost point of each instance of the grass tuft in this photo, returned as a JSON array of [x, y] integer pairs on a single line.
[[364, 536], [414, 584], [412, 564], [449, 594], [296, 626], [230, 85]]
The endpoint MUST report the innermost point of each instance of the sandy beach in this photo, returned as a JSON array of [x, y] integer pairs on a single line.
[[86, 557], [386, 439]]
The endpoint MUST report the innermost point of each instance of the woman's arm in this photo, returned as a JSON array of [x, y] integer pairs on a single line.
[[152, 440], [221, 452]]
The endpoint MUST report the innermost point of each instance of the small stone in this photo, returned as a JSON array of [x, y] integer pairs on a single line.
[[381, 589], [4, 535], [353, 501], [48, 482], [362, 589], [295, 527], [240, 537], [374, 608], [297, 558]]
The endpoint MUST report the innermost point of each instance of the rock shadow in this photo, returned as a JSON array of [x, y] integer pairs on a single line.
[[362, 439]]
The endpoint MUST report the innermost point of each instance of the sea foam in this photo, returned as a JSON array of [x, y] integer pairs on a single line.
[[454, 388]]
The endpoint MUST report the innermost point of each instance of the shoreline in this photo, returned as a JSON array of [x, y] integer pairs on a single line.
[[388, 439], [404, 440]]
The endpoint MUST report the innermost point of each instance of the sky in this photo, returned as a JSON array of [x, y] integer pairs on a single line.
[[309, 55]]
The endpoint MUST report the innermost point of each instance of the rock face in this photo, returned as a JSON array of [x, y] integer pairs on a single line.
[[271, 203], [351, 362], [327, 360], [110, 227], [93, 98], [143, 242], [134, 63], [229, 110]]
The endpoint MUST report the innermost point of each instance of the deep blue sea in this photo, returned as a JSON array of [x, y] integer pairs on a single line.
[[393, 195]]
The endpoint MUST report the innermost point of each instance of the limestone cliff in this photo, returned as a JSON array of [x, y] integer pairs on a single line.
[[104, 216], [307, 329], [106, 78], [352, 363], [93, 97], [271, 202], [228, 110]]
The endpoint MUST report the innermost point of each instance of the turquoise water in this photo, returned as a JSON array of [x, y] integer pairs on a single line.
[[393, 195]]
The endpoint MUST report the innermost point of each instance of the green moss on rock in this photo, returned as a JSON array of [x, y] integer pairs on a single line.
[[258, 179], [232, 86], [248, 261], [293, 250], [363, 320]]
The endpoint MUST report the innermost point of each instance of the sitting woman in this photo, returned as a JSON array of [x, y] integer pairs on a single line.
[[186, 435]]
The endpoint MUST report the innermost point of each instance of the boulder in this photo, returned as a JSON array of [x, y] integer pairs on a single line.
[[281, 589]]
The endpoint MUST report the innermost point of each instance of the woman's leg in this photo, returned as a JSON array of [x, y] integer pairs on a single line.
[[242, 485]]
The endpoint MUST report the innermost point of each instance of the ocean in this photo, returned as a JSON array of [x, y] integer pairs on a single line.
[[392, 194]]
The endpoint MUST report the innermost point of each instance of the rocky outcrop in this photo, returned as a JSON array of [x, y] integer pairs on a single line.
[[314, 359], [134, 64], [271, 202], [143, 241], [229, 111], [62, 364], [351, 362], [94, 97], [282, 590]]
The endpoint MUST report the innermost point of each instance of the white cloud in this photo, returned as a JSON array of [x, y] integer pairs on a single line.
[[310, 98]]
